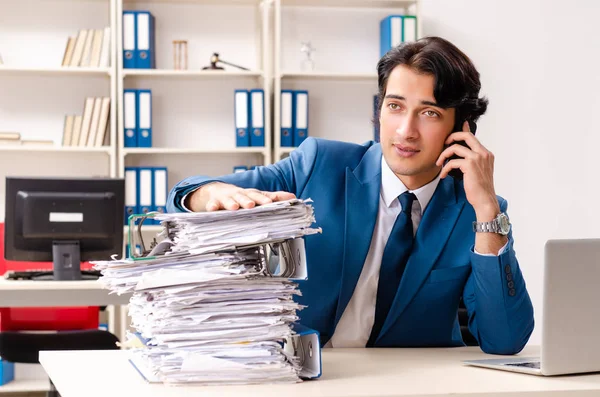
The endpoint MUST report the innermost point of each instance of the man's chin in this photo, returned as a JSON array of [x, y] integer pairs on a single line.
[[413, 170], [404, 167]]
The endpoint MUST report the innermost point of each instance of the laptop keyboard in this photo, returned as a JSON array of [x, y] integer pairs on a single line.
[[535, 365]]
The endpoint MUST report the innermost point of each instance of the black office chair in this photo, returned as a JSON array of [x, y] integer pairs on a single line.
[[463, 320], [24, 347]]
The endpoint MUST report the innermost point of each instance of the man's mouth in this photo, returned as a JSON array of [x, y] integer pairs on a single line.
[[406, 151]]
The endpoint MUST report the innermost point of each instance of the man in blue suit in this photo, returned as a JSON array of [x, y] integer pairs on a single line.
[[410, 225]]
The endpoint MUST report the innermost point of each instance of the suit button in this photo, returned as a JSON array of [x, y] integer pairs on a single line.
[[511, 284], [512, 292], [509, 277], [507, 269]]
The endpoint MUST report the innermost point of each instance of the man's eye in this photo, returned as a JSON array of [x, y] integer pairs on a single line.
[[393, 106], [431, 113]]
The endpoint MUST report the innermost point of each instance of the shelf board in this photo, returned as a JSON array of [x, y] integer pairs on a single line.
[[329, 75], [59, 70], [53, 148], [350, 3], [257, 150], [190, 73], [26, 385], [201, 2]]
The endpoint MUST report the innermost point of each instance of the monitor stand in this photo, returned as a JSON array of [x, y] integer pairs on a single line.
[[66, 258]]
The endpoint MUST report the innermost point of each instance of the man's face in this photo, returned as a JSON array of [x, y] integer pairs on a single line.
[[412, 128]]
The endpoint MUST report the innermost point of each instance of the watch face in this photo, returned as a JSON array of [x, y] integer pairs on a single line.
[[504, 223]]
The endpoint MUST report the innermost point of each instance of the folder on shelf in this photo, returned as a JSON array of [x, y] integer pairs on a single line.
[[76, 130], [145, 191], [103, 124], [95, 122], [242, 118], [87, 48], [300, 117], [304, 344], [396, 29], [79, 47], [67, 129], [68, 51], [257, 117], [96, 48], [131, 185], [130, 118], [144, 118], [86, 121], [409, 28], [105, 52], [287, 118], [129, 39], [144, 54], [160, 191]]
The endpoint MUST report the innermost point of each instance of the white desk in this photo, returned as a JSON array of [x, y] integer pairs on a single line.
[[25, 293], [346, 372]]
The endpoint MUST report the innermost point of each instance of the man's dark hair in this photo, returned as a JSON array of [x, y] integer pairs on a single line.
[[456, 81]]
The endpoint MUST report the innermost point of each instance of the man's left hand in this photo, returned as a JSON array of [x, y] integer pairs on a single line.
[[477, 166]]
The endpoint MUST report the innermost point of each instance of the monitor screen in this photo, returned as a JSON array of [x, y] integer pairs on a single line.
[[41, 212]]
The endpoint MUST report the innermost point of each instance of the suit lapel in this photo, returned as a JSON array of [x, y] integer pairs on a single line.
[[361, 206], [434, 230]]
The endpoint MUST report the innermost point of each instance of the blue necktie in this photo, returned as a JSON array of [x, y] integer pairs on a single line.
[[395, 255]]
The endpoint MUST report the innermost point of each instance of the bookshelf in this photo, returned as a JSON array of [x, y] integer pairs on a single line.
[[192, 109], [344, 80], [38, 92]]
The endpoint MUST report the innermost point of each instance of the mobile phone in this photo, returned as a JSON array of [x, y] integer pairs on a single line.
[[456, 173]]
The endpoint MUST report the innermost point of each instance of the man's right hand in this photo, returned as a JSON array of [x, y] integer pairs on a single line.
[[222, 196]]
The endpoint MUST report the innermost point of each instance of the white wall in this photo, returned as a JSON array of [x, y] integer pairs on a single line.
[[539, 68]]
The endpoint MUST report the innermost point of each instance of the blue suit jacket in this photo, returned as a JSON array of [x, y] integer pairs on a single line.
[[344, 180]]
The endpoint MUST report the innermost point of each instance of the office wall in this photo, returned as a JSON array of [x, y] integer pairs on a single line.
[[539, 68]]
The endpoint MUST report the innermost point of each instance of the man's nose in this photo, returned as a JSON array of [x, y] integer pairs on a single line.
[[407, 128]]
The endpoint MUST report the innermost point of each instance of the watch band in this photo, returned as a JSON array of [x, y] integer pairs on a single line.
[[486, 227]]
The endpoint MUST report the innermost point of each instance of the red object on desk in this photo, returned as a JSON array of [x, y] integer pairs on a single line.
[[43, 318]]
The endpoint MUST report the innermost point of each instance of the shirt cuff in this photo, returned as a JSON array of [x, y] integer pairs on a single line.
[[500, 252], [182, 202]]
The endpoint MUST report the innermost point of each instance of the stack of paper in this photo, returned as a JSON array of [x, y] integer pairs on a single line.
[[204, 302]]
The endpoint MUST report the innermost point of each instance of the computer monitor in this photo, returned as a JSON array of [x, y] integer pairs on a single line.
[[65, 221]]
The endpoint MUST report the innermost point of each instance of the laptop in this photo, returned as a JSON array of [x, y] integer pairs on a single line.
[[571, 313]]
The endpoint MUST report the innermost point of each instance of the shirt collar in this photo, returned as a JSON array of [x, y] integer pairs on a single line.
[[392, 187]]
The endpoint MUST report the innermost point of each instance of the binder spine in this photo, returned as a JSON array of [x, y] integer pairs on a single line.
[[257, 117], [300, 117], [130, 118], [144, 118], [145, 54], [145, 191], [131, 186], [287, 118], [160, 183], [242, 117], [129, 39]]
